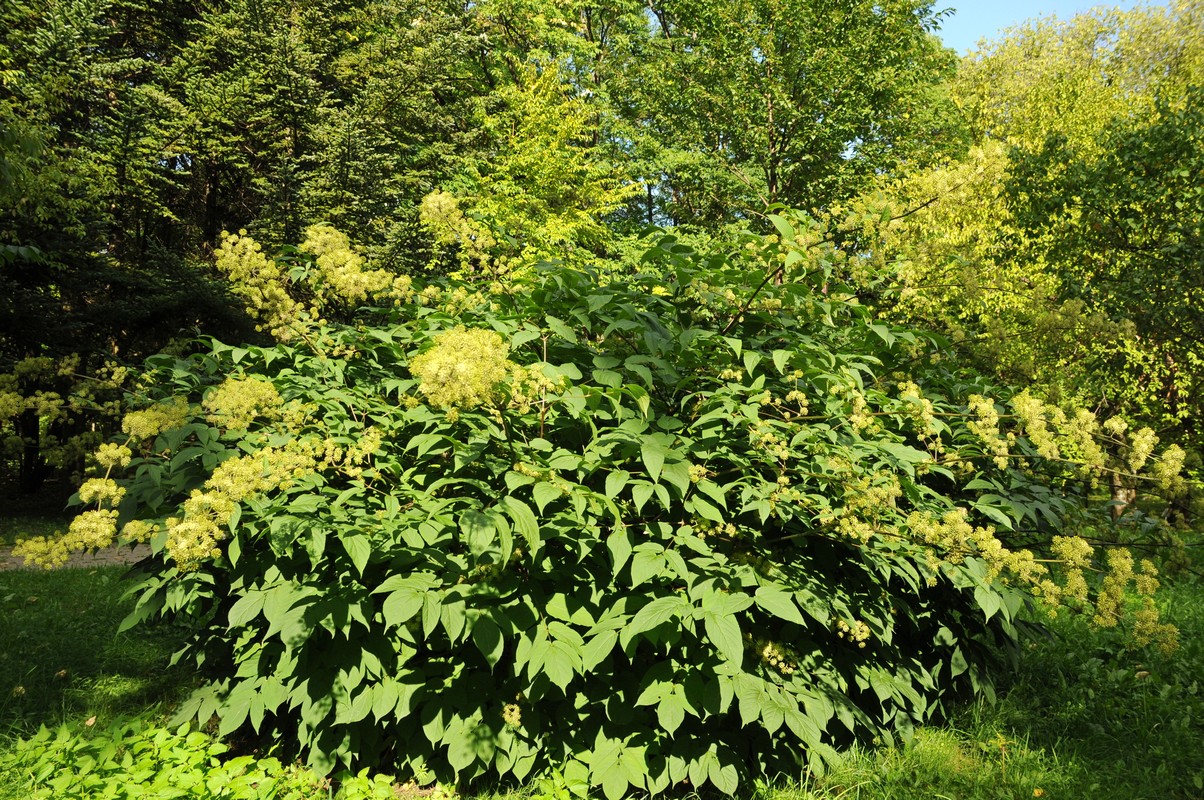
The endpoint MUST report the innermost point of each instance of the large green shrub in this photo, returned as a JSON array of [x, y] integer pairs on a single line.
[[693, 525]]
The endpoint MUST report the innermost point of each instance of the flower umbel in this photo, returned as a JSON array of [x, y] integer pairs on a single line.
[[463, 369]]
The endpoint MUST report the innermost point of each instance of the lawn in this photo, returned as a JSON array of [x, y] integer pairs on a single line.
[[1081, 717]]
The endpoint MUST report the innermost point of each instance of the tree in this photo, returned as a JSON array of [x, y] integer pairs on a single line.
[[746, 104], [541, 190], [1025, 250]]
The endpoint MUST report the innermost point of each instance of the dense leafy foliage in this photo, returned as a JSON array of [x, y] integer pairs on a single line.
[[1062, 250], [697, 524]]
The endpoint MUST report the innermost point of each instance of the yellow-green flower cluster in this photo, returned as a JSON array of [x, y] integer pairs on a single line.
[[150, 422], [860, 415], [340, 268], [11, 404], [1141, 447], [440, 212], [463, 369], [952, 535], [238, 401], [857, 633], [139, 530], [763, 437], [102, 491], [529, 385], [1032, 414], [110, 456], [460, 300], [512, 716], [1167, 471], [261, 281], [1148, 630], [985, 425], [920, 407], [195, 537], [776, 656], [1080, 432], [90, 530]]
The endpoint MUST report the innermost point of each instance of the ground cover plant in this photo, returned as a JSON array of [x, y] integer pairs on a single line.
[[695, 526]]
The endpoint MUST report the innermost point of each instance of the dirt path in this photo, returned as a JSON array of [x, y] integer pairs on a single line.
[[101, 558]]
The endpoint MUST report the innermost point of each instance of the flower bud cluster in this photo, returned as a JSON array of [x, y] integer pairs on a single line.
[[776, 656], [529, 385], [919, 407], [341, 274], [150, 422], [262, 283], [763, 437], [856, 633]]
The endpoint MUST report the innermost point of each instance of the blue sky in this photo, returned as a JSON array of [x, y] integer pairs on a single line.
[[977, 19]]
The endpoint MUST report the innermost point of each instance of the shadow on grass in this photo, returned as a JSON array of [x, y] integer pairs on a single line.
[[63, 659]]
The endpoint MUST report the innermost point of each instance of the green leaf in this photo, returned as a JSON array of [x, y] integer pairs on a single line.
[[608, 378], [781, 359], [657, 612], [615, 481], [561, 328], [652, 450], [883, 333], [645, 565], [677, 474], [993, 513], [560, 664], [786, 231], [779, 603], [407, 596], [671, 711], [358, 548], [524, 520], [724, 633], [988, 600], [597, 649], [724, 776], [614, 782], [640, 492], [704, 509], [544, 493], [246, 609], [478, 530], [487, 636], [619, 545]]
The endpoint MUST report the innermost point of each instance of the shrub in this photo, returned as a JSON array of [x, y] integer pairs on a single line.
[[694, 525]]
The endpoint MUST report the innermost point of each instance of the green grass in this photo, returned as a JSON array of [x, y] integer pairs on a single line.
[[1082, 717], [62, 657]]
